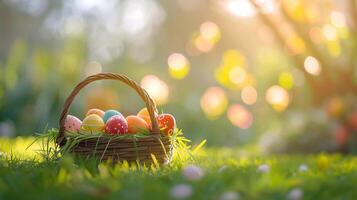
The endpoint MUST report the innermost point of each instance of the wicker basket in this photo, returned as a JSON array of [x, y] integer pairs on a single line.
[[142, 150]]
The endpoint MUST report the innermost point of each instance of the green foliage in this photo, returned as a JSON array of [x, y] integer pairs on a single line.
[[225, 170]]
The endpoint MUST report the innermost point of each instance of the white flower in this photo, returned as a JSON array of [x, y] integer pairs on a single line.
[[192, 173], [295, 194], [229, 196], [181, 191], [264, 168], [303, 168]]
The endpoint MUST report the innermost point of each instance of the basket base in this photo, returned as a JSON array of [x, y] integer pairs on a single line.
[[139, 150]]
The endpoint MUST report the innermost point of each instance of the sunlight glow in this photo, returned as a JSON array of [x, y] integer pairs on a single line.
[[296, 44], [239, 116], [338, 19], [156, 88], [312, 66], [179, 66], [278, 97], [249, 95], [244, 8], [241, 8], [214, 102]]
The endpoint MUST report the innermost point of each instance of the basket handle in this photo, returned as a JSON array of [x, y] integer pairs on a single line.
[[149, 102]]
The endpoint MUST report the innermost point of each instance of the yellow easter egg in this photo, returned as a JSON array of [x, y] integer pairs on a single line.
[[93, 124]]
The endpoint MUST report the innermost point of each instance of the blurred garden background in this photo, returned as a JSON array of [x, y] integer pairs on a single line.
[[268, 76]]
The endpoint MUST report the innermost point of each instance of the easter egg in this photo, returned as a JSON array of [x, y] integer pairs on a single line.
[[96, 111], [136, 124], [93, 124], [167, 123], [72, 124], [144, 114], [117, 124], [110, 113]]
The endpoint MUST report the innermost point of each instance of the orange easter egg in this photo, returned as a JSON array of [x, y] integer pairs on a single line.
[[144, 114], [96, 111], [136, 124]]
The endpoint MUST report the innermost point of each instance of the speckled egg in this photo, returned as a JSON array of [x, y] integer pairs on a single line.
[[93, 124], [167, 123], [144, 114], [72, 124], [136, 124], [110, 113], [96, 111], [116, 125]]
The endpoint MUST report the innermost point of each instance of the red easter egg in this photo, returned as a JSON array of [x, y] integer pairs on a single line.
[[167, 123], [117, 124]]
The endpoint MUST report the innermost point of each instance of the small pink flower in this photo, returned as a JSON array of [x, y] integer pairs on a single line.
[[295, 194], [181, 191], [193, 173], [229, 196], [264, 168]]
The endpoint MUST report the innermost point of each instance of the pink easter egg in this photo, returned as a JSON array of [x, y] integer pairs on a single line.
[[117, 124], [72, 124]]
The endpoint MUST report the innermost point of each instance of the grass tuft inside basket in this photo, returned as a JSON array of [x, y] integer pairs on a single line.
[[51, 151]]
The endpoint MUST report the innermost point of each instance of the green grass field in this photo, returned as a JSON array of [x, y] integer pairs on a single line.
[[200, 173]]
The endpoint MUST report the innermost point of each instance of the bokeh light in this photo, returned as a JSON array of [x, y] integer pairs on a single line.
[[286, 80], [237, 75], [329, 32], [312, 66], [241, 8], [240, 116], [210, 31], [232, 58], [214, 102], [204, 41], [92, 68], [232, 73], [156, 88], [249, 95], [179, 66], [203, 44], [338, 19], [278, 97], [244, 8]]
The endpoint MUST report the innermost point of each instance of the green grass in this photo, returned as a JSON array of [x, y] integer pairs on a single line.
[[26, 175]]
